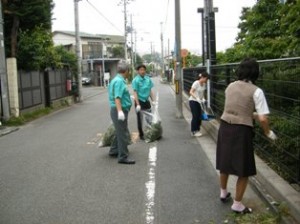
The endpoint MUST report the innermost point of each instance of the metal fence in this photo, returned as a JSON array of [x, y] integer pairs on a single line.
[[280, 80]]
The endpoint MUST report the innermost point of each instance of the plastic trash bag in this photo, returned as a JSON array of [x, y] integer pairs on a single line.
[[207, 112], [153, 131], [108, 137]]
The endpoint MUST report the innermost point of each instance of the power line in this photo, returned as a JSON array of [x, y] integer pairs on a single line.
[[97, 10]]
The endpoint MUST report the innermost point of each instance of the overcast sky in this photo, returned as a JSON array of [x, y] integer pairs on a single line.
[[147, 16]]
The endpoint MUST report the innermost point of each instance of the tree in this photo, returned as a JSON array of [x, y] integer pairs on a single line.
[[193, 60], [267, 30], [118, 52], [36, 50], [24, 15], [290, 26], [139, 60], [66, 58]]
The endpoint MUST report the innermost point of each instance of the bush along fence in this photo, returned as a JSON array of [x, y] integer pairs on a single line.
[[280, 81]]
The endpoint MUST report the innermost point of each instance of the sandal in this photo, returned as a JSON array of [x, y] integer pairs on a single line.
[[226, 199], [245, 211]]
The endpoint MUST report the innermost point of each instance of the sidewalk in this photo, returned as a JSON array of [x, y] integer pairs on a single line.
[[267, 186]]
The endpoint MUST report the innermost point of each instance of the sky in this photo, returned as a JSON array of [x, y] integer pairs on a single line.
[[149, 19]]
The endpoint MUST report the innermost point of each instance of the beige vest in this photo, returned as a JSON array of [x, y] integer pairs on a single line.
[[239, 103]]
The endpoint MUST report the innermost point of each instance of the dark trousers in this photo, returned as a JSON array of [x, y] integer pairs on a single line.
[[121, 139], [196, 113], [145, 107]]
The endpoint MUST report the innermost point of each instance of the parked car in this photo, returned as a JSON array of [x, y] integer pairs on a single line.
[[86, 80]]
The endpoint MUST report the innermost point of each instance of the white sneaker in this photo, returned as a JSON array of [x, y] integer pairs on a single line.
[[197, 134]]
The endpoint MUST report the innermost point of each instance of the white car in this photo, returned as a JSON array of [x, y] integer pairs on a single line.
[[86, 80]]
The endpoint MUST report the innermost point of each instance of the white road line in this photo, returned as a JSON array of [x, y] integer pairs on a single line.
[[150, 185]]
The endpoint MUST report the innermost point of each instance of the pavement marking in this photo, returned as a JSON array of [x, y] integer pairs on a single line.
[[150, 185]]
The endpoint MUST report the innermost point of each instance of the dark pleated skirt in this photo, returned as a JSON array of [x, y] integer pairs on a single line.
[[235, 153]]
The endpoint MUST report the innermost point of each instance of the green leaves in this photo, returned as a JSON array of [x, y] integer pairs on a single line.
[[268, 30]]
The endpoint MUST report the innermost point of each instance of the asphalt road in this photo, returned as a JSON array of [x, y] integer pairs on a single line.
[[52, 172]]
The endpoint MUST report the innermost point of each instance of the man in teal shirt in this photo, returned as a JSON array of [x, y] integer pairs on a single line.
[[142, 86], [120, 104]]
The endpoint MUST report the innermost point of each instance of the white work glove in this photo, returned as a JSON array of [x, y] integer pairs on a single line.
[[154, 103], [272, 135], [203, 100], [138, 108], [121, 115]]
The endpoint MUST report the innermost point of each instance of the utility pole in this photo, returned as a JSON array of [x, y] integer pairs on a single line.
[[178, 76], [3, 73], [131, 49], [125, 2], [78, 52], [125, 28], [103, 64], [162, 51], [135, 41]]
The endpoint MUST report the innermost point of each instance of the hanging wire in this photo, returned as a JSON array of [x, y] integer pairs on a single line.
[[98, 11]]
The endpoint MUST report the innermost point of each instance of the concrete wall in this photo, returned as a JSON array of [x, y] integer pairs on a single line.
[[12, 79]]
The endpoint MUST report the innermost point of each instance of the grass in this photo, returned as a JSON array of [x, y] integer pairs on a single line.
[[259, 218], [24, 118], [30, 116]]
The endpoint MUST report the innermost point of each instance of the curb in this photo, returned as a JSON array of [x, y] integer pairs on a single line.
[[7, 130], [268, 185]]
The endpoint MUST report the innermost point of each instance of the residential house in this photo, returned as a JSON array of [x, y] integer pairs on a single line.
[[98, 52]]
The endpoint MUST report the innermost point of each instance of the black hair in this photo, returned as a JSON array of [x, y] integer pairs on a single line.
[[248, 70], [203, 74], [141, 66]]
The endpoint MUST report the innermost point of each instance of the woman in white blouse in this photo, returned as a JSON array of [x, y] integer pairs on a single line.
[[196, 97]]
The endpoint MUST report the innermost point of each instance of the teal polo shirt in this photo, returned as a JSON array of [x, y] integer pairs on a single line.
[[143, 86], [118, 89]]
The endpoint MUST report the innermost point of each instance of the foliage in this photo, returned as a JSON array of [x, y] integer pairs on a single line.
[[257, 218], [17, 121], [24, 15], [139, 60], [36, 50], [118, 52], [193, 60], [290, 26], [30, 116], [267, 30], [66, 58]]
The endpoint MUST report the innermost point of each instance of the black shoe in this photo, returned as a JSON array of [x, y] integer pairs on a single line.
[[227, 198], [127, 161], [113, 155], [142, 138]]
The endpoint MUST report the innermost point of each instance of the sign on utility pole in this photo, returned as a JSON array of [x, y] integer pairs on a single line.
[[78, 52], [178, 75], [3, 74]]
